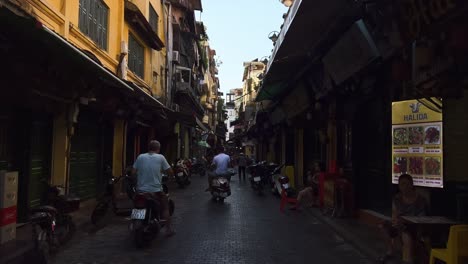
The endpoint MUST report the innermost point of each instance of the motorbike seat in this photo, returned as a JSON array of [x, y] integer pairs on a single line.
[[37, 217], [150, 197], [45, 208]]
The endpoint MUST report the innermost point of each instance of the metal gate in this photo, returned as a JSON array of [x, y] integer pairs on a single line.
[[84, 157], [40, 152]]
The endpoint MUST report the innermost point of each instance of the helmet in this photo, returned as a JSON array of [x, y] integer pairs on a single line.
[[283, 180]]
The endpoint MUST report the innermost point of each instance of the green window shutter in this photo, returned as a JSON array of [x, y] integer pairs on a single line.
[[94, 20], [153, 19], [136, 56]]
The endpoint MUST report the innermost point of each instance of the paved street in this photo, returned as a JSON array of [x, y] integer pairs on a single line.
[[247, 228]]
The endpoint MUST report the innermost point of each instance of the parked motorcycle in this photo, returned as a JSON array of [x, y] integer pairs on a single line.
[[275, 177], [257, 176], [182, 173], [284, 181], [146, 216], [51, 221], [198, 167], [108, 200]]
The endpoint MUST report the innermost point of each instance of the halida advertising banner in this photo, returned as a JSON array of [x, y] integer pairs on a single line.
[[417, 147]]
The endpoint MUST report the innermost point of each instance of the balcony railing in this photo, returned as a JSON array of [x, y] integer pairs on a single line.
[[189, 4]]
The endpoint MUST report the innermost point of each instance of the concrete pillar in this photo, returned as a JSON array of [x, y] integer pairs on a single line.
[[118, 155], [332, 140], [186, 144], [289, 172], [60, 149], [299, 160], [283, 145]]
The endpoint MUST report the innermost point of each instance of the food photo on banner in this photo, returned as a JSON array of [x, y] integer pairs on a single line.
[[417, 147]]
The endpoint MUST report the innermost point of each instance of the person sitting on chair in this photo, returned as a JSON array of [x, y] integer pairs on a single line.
[[406, 203], [308, 197]]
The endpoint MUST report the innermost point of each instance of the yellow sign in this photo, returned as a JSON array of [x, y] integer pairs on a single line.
[[417, 142], [413, 111]]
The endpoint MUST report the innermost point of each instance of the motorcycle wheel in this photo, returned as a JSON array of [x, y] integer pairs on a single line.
[[43, 252], [70, 229]]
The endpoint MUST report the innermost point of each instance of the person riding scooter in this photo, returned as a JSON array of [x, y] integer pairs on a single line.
[[221, 164]]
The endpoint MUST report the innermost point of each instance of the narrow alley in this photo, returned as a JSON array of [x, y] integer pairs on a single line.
[[247, 228]]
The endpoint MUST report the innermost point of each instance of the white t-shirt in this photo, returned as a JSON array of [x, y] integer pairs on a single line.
[[149, 166], [222, 163]]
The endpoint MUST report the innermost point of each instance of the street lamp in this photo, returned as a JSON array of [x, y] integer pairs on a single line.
[[265, 59], [287, 3], [273, 36]]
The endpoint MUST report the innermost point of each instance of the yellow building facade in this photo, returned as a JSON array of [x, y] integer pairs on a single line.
[[112, 45]]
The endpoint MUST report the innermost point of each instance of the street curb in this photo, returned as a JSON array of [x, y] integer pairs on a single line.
[[347, 235]]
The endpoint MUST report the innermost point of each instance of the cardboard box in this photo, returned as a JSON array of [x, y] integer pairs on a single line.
[[7, 233], [8, 216], [8, 181], [8, 198]]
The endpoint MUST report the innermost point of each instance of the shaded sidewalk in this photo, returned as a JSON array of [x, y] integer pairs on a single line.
[[21, 250], [365, 238]]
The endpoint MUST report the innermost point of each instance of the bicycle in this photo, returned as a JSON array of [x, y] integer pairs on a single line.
[[108, 200]]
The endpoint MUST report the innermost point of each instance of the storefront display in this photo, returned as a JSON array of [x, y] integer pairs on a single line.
[[417, 146]]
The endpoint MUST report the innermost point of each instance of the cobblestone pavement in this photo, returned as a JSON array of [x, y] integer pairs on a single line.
[[247, 228]]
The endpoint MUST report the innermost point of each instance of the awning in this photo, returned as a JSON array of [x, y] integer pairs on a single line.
[[12, 15], [203, 143], [189, 4], [201, 125], [184, 118], [271, 91], [80, 55], [138, 21], [301, 38], [144, 96]]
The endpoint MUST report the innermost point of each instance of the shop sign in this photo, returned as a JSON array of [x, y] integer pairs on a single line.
[[417, 143], [417, 16]]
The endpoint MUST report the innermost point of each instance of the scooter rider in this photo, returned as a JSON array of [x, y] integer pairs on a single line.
[[148, 167], [221, 163]]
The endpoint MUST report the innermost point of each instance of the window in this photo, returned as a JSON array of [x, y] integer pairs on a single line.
[[136, 56], [93, 21], [153, 19]]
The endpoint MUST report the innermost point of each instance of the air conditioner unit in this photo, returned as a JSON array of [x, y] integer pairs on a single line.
[[175, 56]]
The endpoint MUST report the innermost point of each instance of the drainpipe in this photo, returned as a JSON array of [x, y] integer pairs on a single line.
[[169, 44]]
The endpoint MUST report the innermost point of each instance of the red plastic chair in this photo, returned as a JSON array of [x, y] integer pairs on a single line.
[[287, 200]]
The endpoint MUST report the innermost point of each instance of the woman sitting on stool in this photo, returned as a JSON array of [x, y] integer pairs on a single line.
[[406, 203]]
